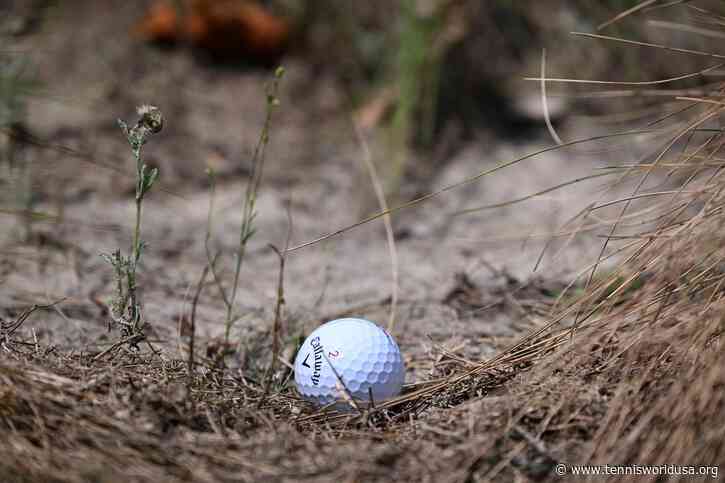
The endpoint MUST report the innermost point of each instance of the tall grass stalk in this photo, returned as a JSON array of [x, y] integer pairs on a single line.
[[249, 212], [279, 306]]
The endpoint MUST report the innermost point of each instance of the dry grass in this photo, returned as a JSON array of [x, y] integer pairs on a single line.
[[638, 381], [628, 372]]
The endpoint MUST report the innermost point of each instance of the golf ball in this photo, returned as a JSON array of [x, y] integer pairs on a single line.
[[356, 352]]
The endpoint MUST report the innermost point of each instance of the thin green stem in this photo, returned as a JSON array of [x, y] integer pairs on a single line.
[[250, 198], [127, 309], [137, 233]]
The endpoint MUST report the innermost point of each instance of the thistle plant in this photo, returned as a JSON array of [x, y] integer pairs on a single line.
[[126, 311]]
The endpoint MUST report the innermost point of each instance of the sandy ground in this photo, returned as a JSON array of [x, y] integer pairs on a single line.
[[639, 382], [213, 116]]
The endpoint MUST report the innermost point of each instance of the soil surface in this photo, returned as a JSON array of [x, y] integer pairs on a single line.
[[493, 393], [466, 282]]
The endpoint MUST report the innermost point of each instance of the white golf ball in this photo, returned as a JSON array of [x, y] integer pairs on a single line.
[[365, 357]]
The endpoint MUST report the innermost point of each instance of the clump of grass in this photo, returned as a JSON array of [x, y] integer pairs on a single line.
[[126, 310]]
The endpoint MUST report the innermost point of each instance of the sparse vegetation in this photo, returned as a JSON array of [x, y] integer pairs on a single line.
[[16, 87], [512, 374], [249, 212]]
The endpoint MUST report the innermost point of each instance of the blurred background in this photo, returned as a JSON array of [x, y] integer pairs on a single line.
[[432, 91]]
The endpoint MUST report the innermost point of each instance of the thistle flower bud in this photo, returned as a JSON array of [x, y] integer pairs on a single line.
[[151, 118]]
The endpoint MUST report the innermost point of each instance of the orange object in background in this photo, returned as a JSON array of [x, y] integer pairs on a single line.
[[160, 24], [230, 29]]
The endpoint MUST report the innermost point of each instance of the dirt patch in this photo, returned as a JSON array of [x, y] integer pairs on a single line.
[[213, 118]]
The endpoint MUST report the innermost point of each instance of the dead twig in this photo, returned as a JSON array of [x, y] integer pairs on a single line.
[[192, 338], [282, 254], [7, 330]]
